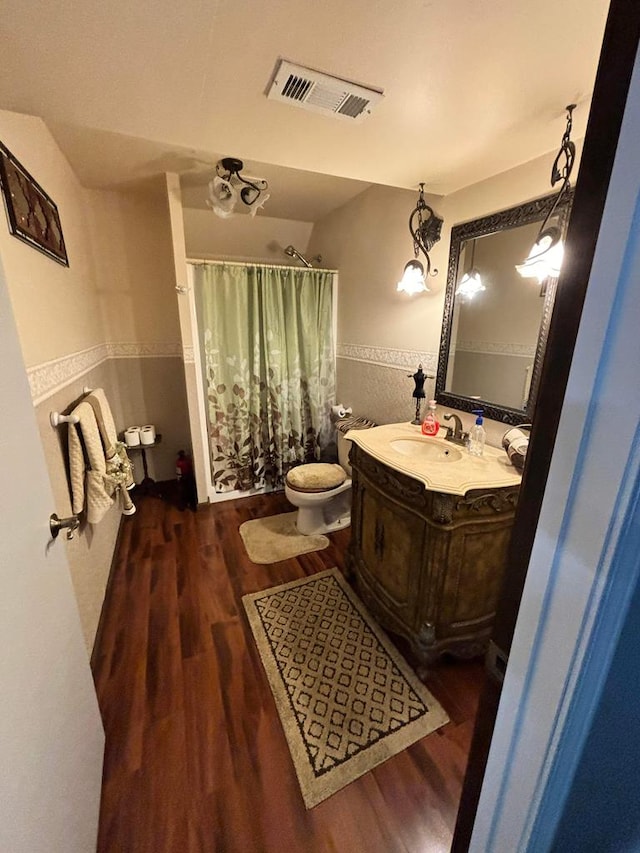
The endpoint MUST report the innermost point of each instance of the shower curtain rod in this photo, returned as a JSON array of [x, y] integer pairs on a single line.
[[251, 264]]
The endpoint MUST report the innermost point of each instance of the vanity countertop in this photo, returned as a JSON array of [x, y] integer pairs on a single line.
[[441, 465]]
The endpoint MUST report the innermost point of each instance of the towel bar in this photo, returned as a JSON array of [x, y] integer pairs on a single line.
[[69, 524], [56, 419]]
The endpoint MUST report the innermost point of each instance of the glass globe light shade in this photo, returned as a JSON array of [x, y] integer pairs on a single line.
[[413, 278], [545, 258], [470, 284]]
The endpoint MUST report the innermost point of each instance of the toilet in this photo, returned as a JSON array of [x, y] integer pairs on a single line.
[[322, 492]]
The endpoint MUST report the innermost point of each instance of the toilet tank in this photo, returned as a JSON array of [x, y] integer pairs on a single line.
[[344, 446]]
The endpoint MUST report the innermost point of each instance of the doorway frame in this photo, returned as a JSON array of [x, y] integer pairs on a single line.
[[566, 596]]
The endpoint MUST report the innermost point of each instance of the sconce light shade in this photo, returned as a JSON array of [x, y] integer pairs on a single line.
[[424, 227], [470, 284], [413, 278], [222, 197], [471, 281], [545, 258]]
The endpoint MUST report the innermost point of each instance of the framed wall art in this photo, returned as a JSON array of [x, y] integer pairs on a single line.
[[33, 216]]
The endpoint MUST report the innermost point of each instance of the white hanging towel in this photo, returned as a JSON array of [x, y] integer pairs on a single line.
[[93, 485], [88, 487], [114, 450]]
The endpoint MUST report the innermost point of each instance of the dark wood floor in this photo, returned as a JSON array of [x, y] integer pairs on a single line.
[[196, 760]]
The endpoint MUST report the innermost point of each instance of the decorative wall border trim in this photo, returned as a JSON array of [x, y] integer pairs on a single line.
[[51, 376], [494, 348], [47, 378], [388, 357], [144, 350]]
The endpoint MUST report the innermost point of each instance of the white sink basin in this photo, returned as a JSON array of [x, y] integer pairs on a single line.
[[423, 449], [438, 464]]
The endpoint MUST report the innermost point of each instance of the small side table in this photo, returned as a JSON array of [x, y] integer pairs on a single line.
[[147, 485]]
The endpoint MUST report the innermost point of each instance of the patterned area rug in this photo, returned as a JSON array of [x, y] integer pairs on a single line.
[[275, 538], [347, 700]]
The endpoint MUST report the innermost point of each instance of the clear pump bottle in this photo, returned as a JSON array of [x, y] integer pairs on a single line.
[[477, 435]]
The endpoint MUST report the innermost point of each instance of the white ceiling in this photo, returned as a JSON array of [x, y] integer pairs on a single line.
[[104, 159], [472, 88]]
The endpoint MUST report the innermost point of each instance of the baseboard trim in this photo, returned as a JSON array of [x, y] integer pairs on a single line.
[[97, 640]]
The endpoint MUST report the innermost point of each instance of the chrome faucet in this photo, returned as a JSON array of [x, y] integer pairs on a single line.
[[455, 433]]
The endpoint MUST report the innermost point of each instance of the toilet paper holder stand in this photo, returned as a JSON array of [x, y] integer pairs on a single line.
[[147, 481]]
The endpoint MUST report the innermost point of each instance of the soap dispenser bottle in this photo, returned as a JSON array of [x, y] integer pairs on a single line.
[[477, 435], [430, 424]]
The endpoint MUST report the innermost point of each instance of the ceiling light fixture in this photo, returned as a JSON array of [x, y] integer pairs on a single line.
[[229, 186], [545, 258], [425, 227], [471, 281]]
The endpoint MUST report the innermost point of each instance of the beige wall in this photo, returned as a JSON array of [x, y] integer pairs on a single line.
[[368, 241], [90, 551], [108, 320], [131, 233], [56, 308], [528, 181], [260, 239], [131, 237], [188, 331], [152, 390], [381, 333]]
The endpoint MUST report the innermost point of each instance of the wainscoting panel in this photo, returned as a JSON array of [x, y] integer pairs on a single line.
[[152, 390], [383, 394], [144, 384], [380, 389], [91, 550]]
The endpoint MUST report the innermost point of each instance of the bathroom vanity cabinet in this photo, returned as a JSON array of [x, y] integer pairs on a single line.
[[427, 564]]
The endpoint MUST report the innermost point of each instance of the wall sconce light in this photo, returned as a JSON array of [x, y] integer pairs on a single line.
[[229, 186], [545, 258], [471, 281], [425, 227]]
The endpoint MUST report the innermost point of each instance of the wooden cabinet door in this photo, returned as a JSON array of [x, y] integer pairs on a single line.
[[471, 584], [391, 550]]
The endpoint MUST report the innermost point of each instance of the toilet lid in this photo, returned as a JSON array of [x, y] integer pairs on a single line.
[[316, 477]]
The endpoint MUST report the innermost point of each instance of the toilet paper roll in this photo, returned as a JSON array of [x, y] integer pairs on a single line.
[[147, 434], [132, 436], [339, 411]]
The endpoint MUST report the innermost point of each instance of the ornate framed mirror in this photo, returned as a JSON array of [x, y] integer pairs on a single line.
[[492, 344]]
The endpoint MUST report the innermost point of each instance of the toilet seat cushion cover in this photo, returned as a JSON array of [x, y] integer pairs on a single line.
[[316, 477]]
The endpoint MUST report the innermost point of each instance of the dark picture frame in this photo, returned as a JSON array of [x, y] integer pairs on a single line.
[[32, 214]]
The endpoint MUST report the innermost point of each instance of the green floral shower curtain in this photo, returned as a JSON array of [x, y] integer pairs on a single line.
[[266, 335]]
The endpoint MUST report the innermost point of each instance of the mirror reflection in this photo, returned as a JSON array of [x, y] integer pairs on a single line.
[[495, 322], [495, 330]]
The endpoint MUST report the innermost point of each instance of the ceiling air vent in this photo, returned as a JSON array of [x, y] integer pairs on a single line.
[[322, 93]]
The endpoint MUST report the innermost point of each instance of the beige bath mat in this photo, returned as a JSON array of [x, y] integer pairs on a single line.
[[346, 699], [275, 538]]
